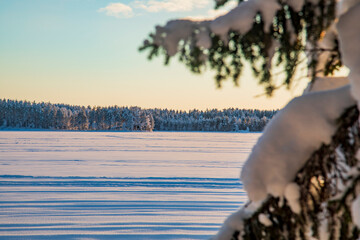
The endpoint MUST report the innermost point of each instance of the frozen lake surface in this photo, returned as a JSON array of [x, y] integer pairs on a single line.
[[119, 185]]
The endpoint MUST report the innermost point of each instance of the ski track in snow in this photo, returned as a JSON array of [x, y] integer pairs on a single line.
[[118, 185]]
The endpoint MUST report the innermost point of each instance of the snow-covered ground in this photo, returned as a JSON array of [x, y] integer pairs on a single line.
[[118, 185]]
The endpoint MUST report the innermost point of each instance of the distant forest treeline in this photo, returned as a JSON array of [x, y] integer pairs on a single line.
[[25, 114]]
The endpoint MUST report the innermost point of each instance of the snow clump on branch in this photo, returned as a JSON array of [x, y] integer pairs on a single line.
[[349, 45], [239, 19], [174, 31], [290, 138]]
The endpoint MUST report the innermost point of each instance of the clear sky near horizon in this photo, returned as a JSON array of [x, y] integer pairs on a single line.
[[85, 53]]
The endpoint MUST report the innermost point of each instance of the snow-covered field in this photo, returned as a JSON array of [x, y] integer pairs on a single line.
[[118, 185]]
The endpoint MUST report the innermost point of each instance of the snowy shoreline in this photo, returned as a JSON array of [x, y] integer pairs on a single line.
[[125, 131]]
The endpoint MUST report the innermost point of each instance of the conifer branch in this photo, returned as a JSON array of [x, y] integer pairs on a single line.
[[290, 31], [321, 194]]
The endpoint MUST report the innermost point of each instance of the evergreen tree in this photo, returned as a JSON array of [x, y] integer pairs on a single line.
[[284, 34]]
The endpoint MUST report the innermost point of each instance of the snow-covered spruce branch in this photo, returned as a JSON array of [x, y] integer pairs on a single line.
[[256, 31], [323, 202]]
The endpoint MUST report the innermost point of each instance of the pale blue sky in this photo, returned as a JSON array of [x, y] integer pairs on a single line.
[[67, 51]]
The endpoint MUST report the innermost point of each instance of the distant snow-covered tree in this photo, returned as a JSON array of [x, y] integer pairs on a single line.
[[23, 114]]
